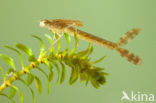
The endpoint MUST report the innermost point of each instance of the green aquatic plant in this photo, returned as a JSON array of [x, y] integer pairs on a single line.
[[80, 63]]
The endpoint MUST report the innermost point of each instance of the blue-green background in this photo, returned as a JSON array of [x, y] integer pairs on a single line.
[[108, 19]]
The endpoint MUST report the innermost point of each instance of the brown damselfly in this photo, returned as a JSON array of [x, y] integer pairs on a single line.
[[61, 26]]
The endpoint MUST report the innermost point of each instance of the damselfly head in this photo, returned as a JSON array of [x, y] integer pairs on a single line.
[[51, 24], [43, 23]]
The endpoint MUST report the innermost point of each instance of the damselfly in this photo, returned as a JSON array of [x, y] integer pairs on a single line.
[[61, 26]]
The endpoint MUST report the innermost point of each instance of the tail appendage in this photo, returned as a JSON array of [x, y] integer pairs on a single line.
[[125, 53], [129, 56], [128, 36]]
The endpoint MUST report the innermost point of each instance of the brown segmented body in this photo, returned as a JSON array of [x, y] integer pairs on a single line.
[[90, 38], [65, 26]]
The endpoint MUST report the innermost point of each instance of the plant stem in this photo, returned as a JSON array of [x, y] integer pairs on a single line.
[[20, 74]]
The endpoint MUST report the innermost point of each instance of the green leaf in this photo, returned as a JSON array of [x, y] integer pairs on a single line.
[[10, 71], [101, 80], [41, 70], [52, 50], [63, 73], [30, 79], [50, 67], [83, 75], [76, 41], [97, 61], [87, 80], [97, 69], [20, 55], [68, 39], [32, 92], [24, 48], [50, 77], [7, 97], [49, 38], [42, 43], [12, 93], [69, 63], [4, 77], [33, 95], [74, 75], [85, 52], [58, 69], [76, 44], [38, 84], [32, 58], [94, 83], [90, 50], [20, 93], [58, 43], [8, 60], [97, 77]]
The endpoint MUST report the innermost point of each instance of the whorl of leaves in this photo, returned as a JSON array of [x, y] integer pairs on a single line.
[[79, 62]]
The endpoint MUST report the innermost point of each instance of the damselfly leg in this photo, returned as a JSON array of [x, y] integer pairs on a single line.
[[61, 33]]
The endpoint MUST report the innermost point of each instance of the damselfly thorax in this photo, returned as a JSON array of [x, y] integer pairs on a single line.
[[68, 26]]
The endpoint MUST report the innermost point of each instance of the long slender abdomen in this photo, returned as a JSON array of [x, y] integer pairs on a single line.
[[94, 39]]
